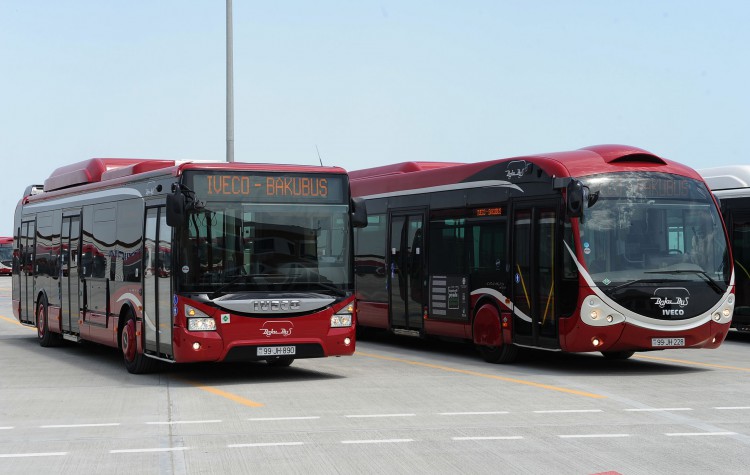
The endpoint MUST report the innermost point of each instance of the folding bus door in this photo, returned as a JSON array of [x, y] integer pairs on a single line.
[[157, 299], [406, 270], [69, 280], [534, 246], [27, 251]]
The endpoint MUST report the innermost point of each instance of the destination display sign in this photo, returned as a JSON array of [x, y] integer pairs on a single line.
[[267, 187]]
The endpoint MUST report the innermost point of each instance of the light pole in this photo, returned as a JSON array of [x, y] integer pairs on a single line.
[[230, 87]]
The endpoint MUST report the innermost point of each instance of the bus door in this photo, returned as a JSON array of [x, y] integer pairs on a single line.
[[27, 251], [406, 270], [533, 273], [157, 292], [69, 283]]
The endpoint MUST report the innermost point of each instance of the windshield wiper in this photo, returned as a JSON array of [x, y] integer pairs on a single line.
[[709, 280], [332, 288], [237, 279], [635, 281]]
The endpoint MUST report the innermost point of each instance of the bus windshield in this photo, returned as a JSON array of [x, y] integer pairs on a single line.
[[231, 247], [649, 227]]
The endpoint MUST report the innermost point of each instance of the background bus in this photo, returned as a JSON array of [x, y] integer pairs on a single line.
[[170, 261], [6, 255], [731, 185], [607, 248]]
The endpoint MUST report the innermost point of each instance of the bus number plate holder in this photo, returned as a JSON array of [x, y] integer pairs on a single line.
[[277, 350], [664, 342]]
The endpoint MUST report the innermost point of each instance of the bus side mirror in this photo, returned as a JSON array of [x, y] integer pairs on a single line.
[[359, 213], [575, 199], [175, 209]]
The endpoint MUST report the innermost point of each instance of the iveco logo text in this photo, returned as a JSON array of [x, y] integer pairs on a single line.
[[270, 329], [275, 305]]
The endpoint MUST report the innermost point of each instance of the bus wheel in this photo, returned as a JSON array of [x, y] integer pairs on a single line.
[[618, 355], [44, 335], [498, 354], [136, 363], [280, 362]]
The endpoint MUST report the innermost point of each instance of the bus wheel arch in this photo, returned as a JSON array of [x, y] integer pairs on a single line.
[[487, 335]]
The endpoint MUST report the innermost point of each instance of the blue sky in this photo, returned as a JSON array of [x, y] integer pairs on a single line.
[[367, 82]]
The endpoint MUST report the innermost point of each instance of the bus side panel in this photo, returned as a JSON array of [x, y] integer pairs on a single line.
[[372, 314], [447, 329]]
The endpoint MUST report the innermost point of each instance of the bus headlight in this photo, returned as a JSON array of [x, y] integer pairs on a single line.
[[724, 313], [343, 318], [596, 313], [198, 321]]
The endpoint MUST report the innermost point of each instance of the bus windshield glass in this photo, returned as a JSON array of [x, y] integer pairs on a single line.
[[652, 227], [234, 247]]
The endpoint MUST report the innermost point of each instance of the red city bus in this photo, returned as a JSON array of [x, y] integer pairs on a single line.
[[6, 255], [188, 262], [609, 249]]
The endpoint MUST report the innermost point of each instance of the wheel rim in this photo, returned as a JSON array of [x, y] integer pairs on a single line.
[[40, 323], [128, 340]]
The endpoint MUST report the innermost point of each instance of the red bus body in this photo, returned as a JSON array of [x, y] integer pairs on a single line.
[[98, 259], [597, 249], [6, 255]]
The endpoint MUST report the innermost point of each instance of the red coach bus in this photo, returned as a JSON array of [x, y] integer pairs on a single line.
[[188, 262], [6, 255], [608, 248]]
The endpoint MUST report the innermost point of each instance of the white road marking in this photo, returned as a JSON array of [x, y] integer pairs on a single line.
[[381, 415], [567, 411], [592, 436], [697, 434], [38, 454], [656, 409], [265, 444], [738, 408], [6, 428], [72, 426], [509, 437], [380, 441], [473, 413], [138, 451], [213, 421], [283, 418]]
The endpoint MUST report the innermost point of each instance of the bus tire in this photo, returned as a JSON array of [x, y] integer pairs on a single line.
[[44, 335], [499, 354], [280, 362], [135, 363], [618, 355]]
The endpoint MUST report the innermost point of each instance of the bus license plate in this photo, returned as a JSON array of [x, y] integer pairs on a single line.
[[276, 350], [659, 342]]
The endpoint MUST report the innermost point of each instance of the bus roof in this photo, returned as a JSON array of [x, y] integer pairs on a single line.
[[100, 170], [727, 178], [576, 163]]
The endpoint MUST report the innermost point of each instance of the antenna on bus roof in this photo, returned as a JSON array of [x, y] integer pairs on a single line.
[[320, 159]]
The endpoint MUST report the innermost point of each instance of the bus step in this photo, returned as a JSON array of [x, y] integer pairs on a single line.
[[405, 332], [69, 337]]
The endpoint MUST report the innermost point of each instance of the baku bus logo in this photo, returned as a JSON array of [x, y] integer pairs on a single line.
[[277, 328], [669, 297]]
